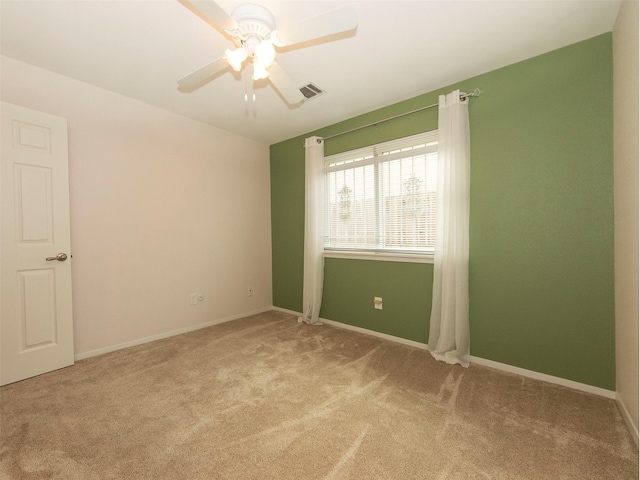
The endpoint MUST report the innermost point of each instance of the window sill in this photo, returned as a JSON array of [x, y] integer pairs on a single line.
[[382, 257]]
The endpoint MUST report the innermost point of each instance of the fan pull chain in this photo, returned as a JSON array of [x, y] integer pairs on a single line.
[[248, 85]]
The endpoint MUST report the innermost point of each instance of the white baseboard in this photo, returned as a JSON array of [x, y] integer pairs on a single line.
[[404, 341], [477, 360], [346, 326], [627, 418], [140, 341], [284, 310], [583, 387]]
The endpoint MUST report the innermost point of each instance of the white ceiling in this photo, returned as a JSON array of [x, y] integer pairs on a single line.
[[139, 48]]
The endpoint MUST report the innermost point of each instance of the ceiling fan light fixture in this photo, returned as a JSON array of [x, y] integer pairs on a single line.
[[252, 29], [236, 57], [259, 71], [265, 53]]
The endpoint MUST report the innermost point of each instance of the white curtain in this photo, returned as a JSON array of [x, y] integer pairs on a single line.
[[449, 326], [313, 230]]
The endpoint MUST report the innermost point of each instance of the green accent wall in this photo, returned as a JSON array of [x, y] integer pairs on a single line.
[[541, 233]]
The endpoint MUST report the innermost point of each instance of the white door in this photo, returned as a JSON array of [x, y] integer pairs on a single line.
[[36, 323]]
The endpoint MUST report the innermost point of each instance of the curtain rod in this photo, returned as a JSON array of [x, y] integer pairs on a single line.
[[475, 93]]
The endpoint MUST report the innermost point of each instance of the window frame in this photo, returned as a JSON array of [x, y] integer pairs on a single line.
[[423, 143]]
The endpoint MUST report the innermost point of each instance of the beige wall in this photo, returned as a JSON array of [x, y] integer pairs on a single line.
[[625, 75], [161, 207]]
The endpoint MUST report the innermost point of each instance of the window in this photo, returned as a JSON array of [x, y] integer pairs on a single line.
[[382, 198]]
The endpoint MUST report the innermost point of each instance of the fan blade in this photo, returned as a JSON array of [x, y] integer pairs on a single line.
[[195, 79], [283, 84], [335, 21], [213, 13]]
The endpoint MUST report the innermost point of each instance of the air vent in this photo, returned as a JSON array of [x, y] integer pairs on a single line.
[[310, 90]]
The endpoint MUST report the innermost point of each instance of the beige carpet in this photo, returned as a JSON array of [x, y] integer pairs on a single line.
[[267, 398]]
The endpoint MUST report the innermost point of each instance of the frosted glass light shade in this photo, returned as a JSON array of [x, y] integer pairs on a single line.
[[236, 57], [259, 71], [265, 53]]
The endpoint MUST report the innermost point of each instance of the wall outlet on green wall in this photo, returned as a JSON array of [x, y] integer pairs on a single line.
[[377, 303]]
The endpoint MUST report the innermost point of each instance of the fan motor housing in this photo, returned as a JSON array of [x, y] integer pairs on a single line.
[[253, 20]]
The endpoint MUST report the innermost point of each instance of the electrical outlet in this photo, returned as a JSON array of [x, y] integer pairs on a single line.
[[249, 292], [377, 303], [193, 299]]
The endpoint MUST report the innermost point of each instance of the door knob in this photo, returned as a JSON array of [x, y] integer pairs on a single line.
[[61, 257]]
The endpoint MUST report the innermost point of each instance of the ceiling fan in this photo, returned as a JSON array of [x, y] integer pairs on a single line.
[[252, 30]]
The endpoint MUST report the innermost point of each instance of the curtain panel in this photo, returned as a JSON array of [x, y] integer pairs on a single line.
[[449, 324], [313, 230]]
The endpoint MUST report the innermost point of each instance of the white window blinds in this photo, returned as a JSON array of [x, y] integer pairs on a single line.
[[383, 197]]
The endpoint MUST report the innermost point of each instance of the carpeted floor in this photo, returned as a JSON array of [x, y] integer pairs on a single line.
[[267, 398]]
